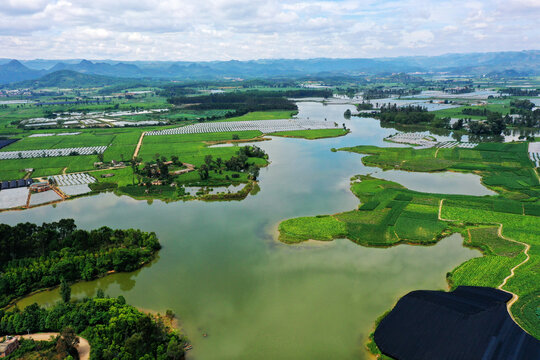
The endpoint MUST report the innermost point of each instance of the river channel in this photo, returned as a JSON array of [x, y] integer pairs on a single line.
[[224, 274]]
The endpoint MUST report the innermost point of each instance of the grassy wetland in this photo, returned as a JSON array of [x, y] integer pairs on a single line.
[[504, 227]]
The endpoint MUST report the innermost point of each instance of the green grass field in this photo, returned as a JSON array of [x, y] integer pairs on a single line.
[[192, 148], [121, 145], [312, 134], [500, 107], [263, 115]]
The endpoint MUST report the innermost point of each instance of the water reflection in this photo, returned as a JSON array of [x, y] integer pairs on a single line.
[[221, 270]]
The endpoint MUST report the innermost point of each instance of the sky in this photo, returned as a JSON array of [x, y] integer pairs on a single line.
[[262, 29]]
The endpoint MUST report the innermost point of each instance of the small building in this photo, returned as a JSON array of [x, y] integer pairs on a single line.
[[40, 186], [8, 346], [107, 175]]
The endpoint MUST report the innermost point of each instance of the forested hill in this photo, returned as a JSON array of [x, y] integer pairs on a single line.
[[68, 79], [35, 257]]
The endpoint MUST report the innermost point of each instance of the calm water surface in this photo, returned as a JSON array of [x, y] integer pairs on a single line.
[[223, 273]]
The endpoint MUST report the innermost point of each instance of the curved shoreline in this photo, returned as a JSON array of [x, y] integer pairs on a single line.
[[453, 223]]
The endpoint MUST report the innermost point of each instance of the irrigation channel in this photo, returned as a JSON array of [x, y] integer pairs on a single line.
[[222, 271]]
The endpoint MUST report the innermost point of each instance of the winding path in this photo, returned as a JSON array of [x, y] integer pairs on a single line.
[[515, 297], [83, 347], [526, 246]]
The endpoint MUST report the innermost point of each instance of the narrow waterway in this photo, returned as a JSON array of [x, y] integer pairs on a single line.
[[223, 273]]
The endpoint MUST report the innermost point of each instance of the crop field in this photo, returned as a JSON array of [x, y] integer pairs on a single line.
[[312, 134], [321, 228], [59, 142], [18, 112], [184, 114], [505, 168], [500, 107], [263, 115], [121, 145], [122, 177], [390, 214], [192, 148], [14, 169]]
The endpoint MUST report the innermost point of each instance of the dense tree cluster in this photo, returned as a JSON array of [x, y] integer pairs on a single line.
[[35, 257], [459, 90], [114, 329], [239, 163], [528, 119], [479, 111], [243, 102], [522, 104], [494, 125], [409, 115], [515, 91], [364, 106]]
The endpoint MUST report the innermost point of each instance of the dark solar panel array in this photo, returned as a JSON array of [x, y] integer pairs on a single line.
[[6, 142], [13, 184], [469, 323]]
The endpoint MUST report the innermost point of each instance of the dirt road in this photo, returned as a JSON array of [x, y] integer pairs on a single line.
[[83, 348]]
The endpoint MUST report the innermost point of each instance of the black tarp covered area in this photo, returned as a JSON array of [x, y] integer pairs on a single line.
[[469, 323], [6, 142]]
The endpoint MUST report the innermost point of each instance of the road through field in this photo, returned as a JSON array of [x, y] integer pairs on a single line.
[[139, 145]]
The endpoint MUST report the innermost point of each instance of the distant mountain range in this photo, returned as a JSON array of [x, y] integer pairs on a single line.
[[520, 63], [68, 79]]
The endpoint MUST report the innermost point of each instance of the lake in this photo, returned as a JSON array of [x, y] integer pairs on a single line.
[[224, 274]]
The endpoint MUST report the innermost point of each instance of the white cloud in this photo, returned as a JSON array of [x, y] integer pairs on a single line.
[[415, 39], [247, 29]]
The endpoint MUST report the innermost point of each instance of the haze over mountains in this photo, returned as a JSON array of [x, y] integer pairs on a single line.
[[518, 63]]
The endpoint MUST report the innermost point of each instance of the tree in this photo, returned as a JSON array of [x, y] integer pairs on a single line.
[[347, 114], [254, 171], [175, 160], [208, 161], [100, 294], [169, 314], [65, 290], [67, 342], [458, 125], [135, 167], [203, 172], [235, 137], [175, 350]]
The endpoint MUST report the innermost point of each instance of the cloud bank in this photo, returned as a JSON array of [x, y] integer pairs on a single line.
[[256, 29]]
